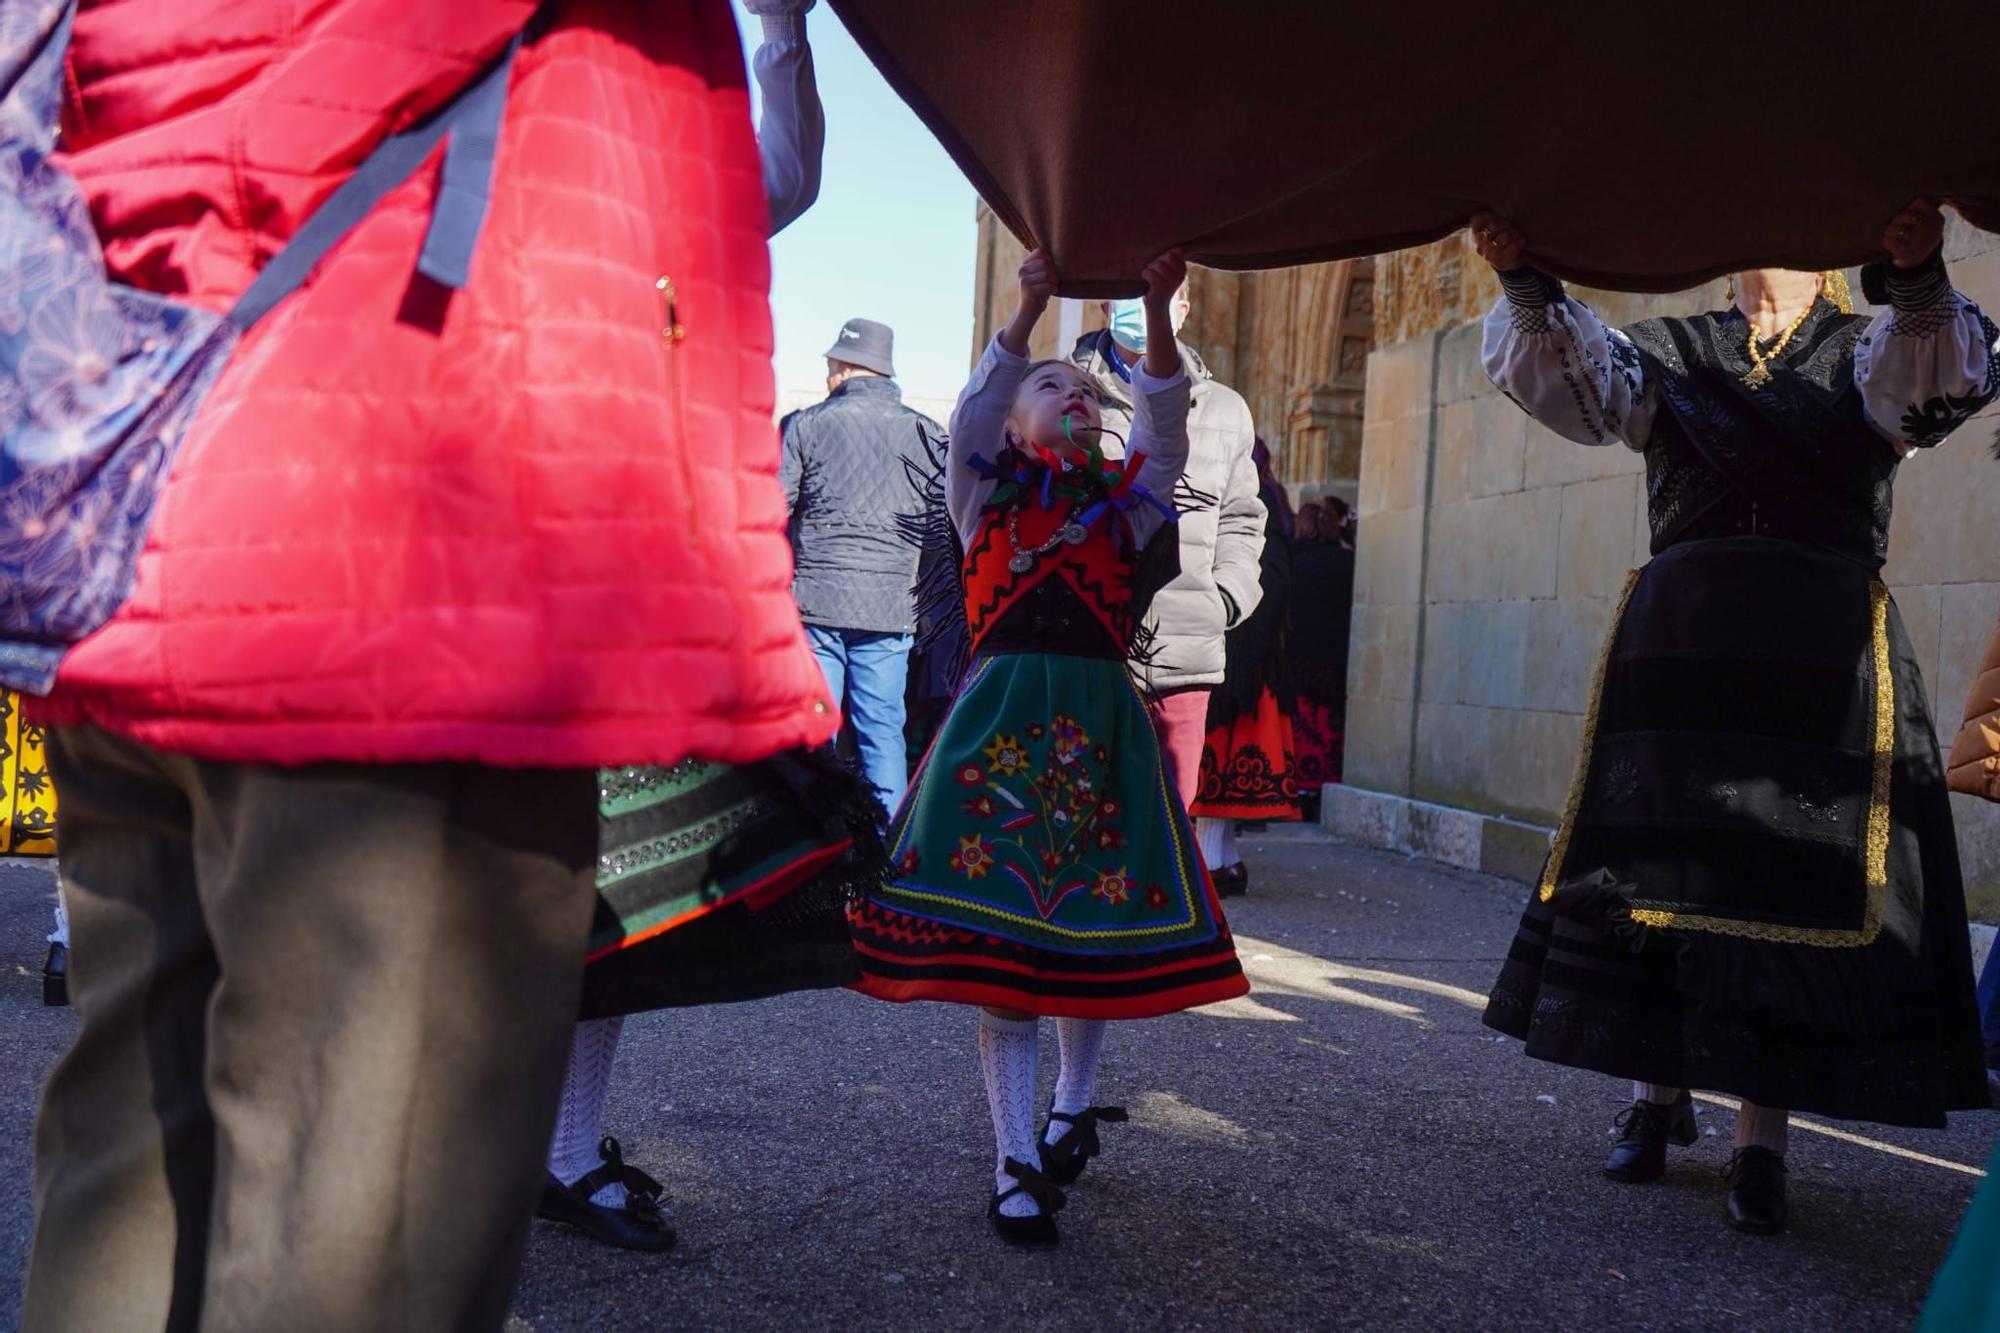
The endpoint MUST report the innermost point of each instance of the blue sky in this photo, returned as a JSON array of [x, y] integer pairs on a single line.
[[891, 237]]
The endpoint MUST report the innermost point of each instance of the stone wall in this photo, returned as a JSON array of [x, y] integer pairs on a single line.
[[1432, 287], [1491, 551], [1443, 285], [1295, 343]]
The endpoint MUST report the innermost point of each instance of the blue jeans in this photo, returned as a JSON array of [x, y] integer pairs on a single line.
[[1989, 1006], [866, 673]]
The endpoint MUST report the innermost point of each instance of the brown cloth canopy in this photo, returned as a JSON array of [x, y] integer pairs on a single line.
[[1638, 146]]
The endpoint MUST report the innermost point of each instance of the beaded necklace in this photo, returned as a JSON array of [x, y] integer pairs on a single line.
[[1759, 373]]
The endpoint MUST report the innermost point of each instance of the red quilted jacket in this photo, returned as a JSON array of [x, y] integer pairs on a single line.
[[514, 526]]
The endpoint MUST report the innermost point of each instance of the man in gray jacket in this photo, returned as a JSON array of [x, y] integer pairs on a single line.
[[853, 470], [1221, 534]]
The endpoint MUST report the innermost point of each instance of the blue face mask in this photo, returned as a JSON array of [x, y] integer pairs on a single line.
[[1128, 324]]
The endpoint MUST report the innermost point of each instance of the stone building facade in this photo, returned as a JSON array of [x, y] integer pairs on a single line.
[[1293, 342]]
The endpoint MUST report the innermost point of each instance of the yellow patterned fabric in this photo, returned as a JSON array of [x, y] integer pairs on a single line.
[[27, 796]]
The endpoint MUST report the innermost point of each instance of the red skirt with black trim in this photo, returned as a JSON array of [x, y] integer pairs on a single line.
[[1248, 769]]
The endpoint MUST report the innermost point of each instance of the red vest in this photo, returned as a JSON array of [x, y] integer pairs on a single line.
[[516, 526], [1098, 568]]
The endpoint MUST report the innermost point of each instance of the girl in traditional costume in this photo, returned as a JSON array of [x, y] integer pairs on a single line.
[[1755, 886], [1043, 863]]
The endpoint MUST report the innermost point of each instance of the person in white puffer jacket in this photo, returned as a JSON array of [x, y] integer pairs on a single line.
[[1221, 529]]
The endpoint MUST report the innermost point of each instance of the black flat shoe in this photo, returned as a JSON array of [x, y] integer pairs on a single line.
[[1037, 1231], [1645, 1130], [636, 1226], [55, 975], [1231, 882], [1063, 1161], [1757, 1191]]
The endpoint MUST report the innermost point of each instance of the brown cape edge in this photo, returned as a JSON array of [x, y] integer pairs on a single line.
[[1266, 236]]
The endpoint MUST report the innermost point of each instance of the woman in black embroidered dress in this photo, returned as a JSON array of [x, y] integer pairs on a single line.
[[1755, 886], [1322, 607]]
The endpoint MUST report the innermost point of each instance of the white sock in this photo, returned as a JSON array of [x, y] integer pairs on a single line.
[[1007, 1061], [1082, 1042], [61, 935], [1659, 1094], [580, 1118], [1217, 840], [1762, 1127]]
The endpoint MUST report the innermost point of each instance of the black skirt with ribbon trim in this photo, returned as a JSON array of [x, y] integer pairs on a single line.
[[1755, 887]]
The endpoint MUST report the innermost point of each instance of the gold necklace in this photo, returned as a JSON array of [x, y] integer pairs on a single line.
[[1759, 373]]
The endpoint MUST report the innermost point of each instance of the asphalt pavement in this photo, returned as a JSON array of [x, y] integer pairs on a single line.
[[1345, 1148]]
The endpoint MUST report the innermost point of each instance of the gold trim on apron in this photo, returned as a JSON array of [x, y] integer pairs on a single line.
[[1559, 850]]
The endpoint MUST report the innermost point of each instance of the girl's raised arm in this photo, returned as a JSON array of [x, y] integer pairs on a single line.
[[1159, 397], [979, 422]]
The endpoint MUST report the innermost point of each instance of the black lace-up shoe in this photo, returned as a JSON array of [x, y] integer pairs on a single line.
[[1757, 1191], [1645, 1129], [55, 975]]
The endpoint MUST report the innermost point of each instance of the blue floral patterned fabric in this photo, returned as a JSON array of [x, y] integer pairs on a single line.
[[98, 382]]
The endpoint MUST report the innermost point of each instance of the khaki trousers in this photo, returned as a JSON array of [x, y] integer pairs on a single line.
[[324, 1016]]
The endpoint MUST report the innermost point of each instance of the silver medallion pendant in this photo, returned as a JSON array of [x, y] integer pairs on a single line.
[[1074, 533], [1022, 562]]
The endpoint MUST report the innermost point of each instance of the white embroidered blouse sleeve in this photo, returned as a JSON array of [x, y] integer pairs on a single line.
[[1555, 358], [979, 427], [1928, 362], [1159, 431]]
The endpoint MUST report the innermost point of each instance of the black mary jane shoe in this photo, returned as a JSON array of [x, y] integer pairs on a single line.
[[55, 975], [1756, 1179], [1063, 1161], [1645, 1129], [636, 1226], [1232, 881], [1037, 1231]]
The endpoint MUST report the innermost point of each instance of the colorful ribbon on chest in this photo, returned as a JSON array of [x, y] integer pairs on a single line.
[[1094, 488]]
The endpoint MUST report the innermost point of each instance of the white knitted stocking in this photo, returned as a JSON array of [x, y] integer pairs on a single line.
[[1082, 1042], [1217, 840], [580, 1118], [1007, 1060]]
